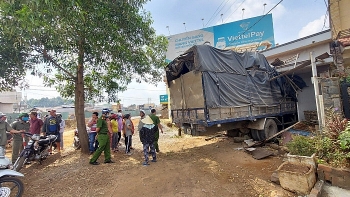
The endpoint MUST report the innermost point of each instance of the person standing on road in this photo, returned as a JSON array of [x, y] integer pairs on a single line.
[[5, 127], [103, 140], [35, 123], [52, 127], [156, 122], [93, 143], [21, 124], [142, 115], [115, 125], [127, 133], [120, 125], [146, 134], [62, 126]]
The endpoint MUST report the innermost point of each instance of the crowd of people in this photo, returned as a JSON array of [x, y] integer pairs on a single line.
[[53, 124], [105, 133], [107, 130]]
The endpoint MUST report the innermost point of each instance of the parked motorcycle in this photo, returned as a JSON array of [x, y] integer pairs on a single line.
[[37, 149], [76, 142], [10, 185]]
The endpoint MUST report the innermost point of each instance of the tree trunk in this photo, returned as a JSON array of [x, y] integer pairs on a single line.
[[80, 102]]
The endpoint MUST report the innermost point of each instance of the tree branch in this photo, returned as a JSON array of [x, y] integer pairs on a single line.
[[48, 57]]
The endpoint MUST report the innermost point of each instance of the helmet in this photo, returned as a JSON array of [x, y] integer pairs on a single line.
[[23, 115], [105, 111]]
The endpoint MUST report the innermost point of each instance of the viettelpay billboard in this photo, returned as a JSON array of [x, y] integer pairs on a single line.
[[248, 34]]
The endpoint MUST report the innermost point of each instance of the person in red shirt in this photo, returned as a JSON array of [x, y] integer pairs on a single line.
[[35, 123]]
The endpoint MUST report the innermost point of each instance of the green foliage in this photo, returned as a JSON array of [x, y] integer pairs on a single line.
[[98, 46], [335, 123], [323, 145], [301, 145], [46, 102], [344, 139], [12, 66], [333, 144]]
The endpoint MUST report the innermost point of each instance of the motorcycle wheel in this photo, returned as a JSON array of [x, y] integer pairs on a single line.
[[11, 186], [19, 164]]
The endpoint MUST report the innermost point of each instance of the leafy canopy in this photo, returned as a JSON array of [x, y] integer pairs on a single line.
[[108, 42]]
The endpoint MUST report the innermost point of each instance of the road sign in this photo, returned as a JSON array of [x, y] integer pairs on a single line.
[[163, 99]]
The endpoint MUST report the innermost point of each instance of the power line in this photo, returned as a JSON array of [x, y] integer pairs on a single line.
[[235, 9], [212, 17], [330, 18]]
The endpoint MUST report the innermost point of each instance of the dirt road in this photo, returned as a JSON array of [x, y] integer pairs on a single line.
[[187, 166]]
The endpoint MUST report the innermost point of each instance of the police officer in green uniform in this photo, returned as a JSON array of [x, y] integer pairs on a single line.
[[156, 122], [103, 140], [21, 124]]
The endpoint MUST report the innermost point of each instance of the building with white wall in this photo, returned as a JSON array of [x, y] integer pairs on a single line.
[[318, 44], [8, 99]]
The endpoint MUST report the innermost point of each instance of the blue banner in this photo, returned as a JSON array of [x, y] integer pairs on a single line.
[[245, 35]]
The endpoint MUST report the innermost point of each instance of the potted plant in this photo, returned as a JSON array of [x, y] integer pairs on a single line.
[[302, 150], [298, 173]]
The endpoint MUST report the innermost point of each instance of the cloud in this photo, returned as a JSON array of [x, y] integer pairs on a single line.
[[314, 27]]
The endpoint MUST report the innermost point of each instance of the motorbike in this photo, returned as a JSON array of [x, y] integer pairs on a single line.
[[10, 185], [76, 142], [37, 149]]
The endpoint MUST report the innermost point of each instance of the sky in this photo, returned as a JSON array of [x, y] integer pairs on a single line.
[[292, 19]]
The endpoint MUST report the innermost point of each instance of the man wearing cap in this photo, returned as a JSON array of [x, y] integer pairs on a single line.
[[156, 122], [21, 124], [52, 127], [5, 127], [103, 140]]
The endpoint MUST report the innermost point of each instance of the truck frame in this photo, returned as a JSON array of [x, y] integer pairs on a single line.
[[220, 90]]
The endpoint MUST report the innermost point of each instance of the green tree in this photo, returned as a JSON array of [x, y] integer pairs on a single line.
[[90, 49], [12, 66]]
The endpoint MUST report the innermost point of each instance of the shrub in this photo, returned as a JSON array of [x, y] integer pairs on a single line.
[[344, 139], [335, 123], [301, 145]]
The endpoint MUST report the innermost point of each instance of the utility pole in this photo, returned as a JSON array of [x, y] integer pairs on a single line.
[[168, 29]]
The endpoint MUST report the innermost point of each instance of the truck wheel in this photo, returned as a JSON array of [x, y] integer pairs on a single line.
[[255, 134], [270, 129]]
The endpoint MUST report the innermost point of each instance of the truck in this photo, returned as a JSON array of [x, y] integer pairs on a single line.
[[215, 90]]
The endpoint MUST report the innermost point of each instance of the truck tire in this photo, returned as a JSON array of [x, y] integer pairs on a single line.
[[270, 129], [255, 134]]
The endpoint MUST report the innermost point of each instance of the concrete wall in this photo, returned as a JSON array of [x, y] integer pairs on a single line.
[[6, 107], [340, 15], [306, 98]]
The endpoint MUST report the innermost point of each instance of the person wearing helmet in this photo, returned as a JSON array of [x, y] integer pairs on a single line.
[[21, 124], [103, 140]]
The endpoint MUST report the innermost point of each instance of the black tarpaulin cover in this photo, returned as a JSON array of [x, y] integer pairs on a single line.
[[230, 78]]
